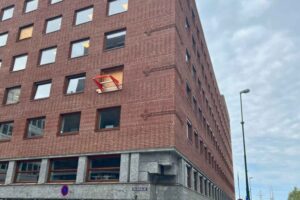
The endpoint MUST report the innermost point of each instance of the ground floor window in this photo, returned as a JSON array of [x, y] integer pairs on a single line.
[[104, 168], [3, 170], [63, 170], [28, 171]]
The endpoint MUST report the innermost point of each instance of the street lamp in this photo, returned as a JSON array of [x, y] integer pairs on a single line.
[[245, 157]]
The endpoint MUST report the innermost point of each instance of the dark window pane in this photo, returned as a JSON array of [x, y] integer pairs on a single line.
[[115, 39], [63, 170], [48, 56], [80, 48], [7, 13], [117, 6], [3, 170], [31, 5], [42, 90], [53, 25], [76, 85], [28, 171], [109, 118], [104, 169], [13, 95], [84, 16], [70, 123], [3, 39], [36, 127], [20, 62]]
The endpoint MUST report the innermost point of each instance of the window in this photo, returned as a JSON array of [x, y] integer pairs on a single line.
[[53, 24], [198, 56], [0, 64], [63, 170], [80, 48], [187, 24], [13, 95], [194, 43], [116, 73], [189, 176], [48, 56], [195, 104], [75, 84], [55, 1], [104, 168], [187, 56], [205, 187], [84, 15], [70, 123], [6, 129], [193, 16], [117, 6], [195, 181], [109, 118], [115, 39], [35, 127], [20, 62], [201, 184], [3, 39], [194, 72], [42, 90], [25, 32], [3, 170], [7, 13], [28, 171], [196, 139], [189, 130], [188, 91], [31, 5]]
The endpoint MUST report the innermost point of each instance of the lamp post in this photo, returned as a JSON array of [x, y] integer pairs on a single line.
[[245, 156]]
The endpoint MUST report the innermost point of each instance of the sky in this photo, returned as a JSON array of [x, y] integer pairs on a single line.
[[255, 44]]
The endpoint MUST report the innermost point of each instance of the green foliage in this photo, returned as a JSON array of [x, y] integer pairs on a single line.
[[295, 194]]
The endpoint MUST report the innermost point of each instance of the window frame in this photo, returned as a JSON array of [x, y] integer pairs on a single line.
[[89, 169], [114, 32], [26, 135], [20, 30], [62, 170], [7, 122], [35, 88], [4, 33], [6, 95], [98, 123], [80, 10], [50, 2], [25, 5], [111, 69], [108, 8], [4, 173], [79, 41], [50, 19], [189, 130], [67, 82], [3, 10], [14, 60], [17, 171], [41, 55], [60, 133]]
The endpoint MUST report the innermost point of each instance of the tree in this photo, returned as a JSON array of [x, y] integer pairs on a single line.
[[295, 194]]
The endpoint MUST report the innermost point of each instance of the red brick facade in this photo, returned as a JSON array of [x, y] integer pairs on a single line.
[[154, 104]]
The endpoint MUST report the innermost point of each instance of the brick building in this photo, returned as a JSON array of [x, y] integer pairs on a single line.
[[110, 99]]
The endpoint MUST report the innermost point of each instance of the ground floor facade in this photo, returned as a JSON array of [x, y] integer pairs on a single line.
[[149, 175]]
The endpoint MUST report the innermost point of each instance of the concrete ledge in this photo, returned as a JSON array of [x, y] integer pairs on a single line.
[[82, 191]]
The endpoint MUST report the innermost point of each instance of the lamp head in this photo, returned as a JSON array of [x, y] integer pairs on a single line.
[[245, 91]]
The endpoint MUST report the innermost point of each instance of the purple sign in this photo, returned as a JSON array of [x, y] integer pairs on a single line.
[[64, 190]]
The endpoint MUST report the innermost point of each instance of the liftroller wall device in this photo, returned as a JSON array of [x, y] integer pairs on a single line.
[[106, 83]]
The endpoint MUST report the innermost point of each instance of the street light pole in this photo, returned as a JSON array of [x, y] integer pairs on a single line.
[[245, 156]]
